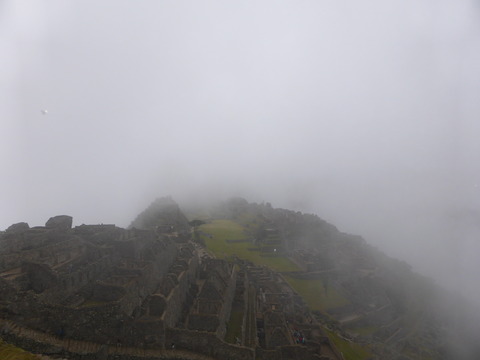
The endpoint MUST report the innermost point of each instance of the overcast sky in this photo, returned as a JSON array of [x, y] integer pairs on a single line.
[[366, 113]]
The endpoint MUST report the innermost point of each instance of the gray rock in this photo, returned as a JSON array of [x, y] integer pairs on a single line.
[[18, 228], [60, 222], [40, 277]]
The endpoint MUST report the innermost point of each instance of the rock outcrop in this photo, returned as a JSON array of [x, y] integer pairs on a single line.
[[17, 228], [60, 222], [163, 214]]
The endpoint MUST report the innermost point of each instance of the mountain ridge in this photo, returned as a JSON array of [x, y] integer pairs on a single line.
[[414, 296], [255, 280]]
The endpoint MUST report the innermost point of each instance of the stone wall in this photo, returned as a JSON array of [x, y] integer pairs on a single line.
[[97, 323], [148, 333], [212, 307], [73, 278], [203, 322], [178, 295], [208, 344], [138, 288], [224, 314], [276, 331], [7, 291], [240, 299], [292, 352], [39, 277], [46, 247]]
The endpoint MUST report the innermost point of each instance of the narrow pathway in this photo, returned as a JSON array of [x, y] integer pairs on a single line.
[[250, 324], [11, 274], [84, 347]]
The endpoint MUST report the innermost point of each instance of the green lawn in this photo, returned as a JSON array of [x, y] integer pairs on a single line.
[[350, 351], [234, 328], [314, 294], [222, 230], [364, 331], [10, 352], [248, 221]]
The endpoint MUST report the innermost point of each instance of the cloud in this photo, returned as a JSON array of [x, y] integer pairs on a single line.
[[363, 113]]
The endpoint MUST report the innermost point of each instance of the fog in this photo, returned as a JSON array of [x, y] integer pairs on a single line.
[[365, 113]]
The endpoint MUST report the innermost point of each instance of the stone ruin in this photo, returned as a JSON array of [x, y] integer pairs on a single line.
[[146, 289]]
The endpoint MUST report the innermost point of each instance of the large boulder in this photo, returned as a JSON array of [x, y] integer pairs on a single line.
[[17, 228], [60, 222]]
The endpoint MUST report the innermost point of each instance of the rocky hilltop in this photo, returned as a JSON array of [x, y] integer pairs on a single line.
[[163, 214], [245, 282]]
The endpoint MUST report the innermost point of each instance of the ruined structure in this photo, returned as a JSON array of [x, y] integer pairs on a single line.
[[104, 284], [100, 292]]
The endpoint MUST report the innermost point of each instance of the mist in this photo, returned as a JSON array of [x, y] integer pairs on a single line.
[[365, 113]]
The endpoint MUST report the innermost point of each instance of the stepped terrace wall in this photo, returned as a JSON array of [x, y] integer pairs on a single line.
[[208, 344], [212, 307], [44, 249], [224, 314], [177, 296]]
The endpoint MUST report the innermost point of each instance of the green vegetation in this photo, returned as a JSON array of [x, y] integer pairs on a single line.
[[350, 351], [224, 230], [196, 222], [364, 331], [10, 352], [219, 231], [313, 292], [234, 329], [248, 220]]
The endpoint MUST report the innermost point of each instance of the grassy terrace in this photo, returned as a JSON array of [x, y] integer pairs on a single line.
[[222, 230], [234, 328], [350, 351], [314, 294], [10, 352], [312, 291]]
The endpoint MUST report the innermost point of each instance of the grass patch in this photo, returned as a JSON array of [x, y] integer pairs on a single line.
[[248, 221], [350, 351], [234, 328], [222, 230], [314, 294], [10, 352], [364, 331]]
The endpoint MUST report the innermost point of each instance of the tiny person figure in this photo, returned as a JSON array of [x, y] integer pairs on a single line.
[[61, 333]]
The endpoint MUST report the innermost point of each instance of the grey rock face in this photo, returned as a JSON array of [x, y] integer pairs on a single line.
[[163, 214], [60, 222], [39, 276]]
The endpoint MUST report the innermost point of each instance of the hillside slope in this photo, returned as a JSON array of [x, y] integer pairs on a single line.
[[357, 291]]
